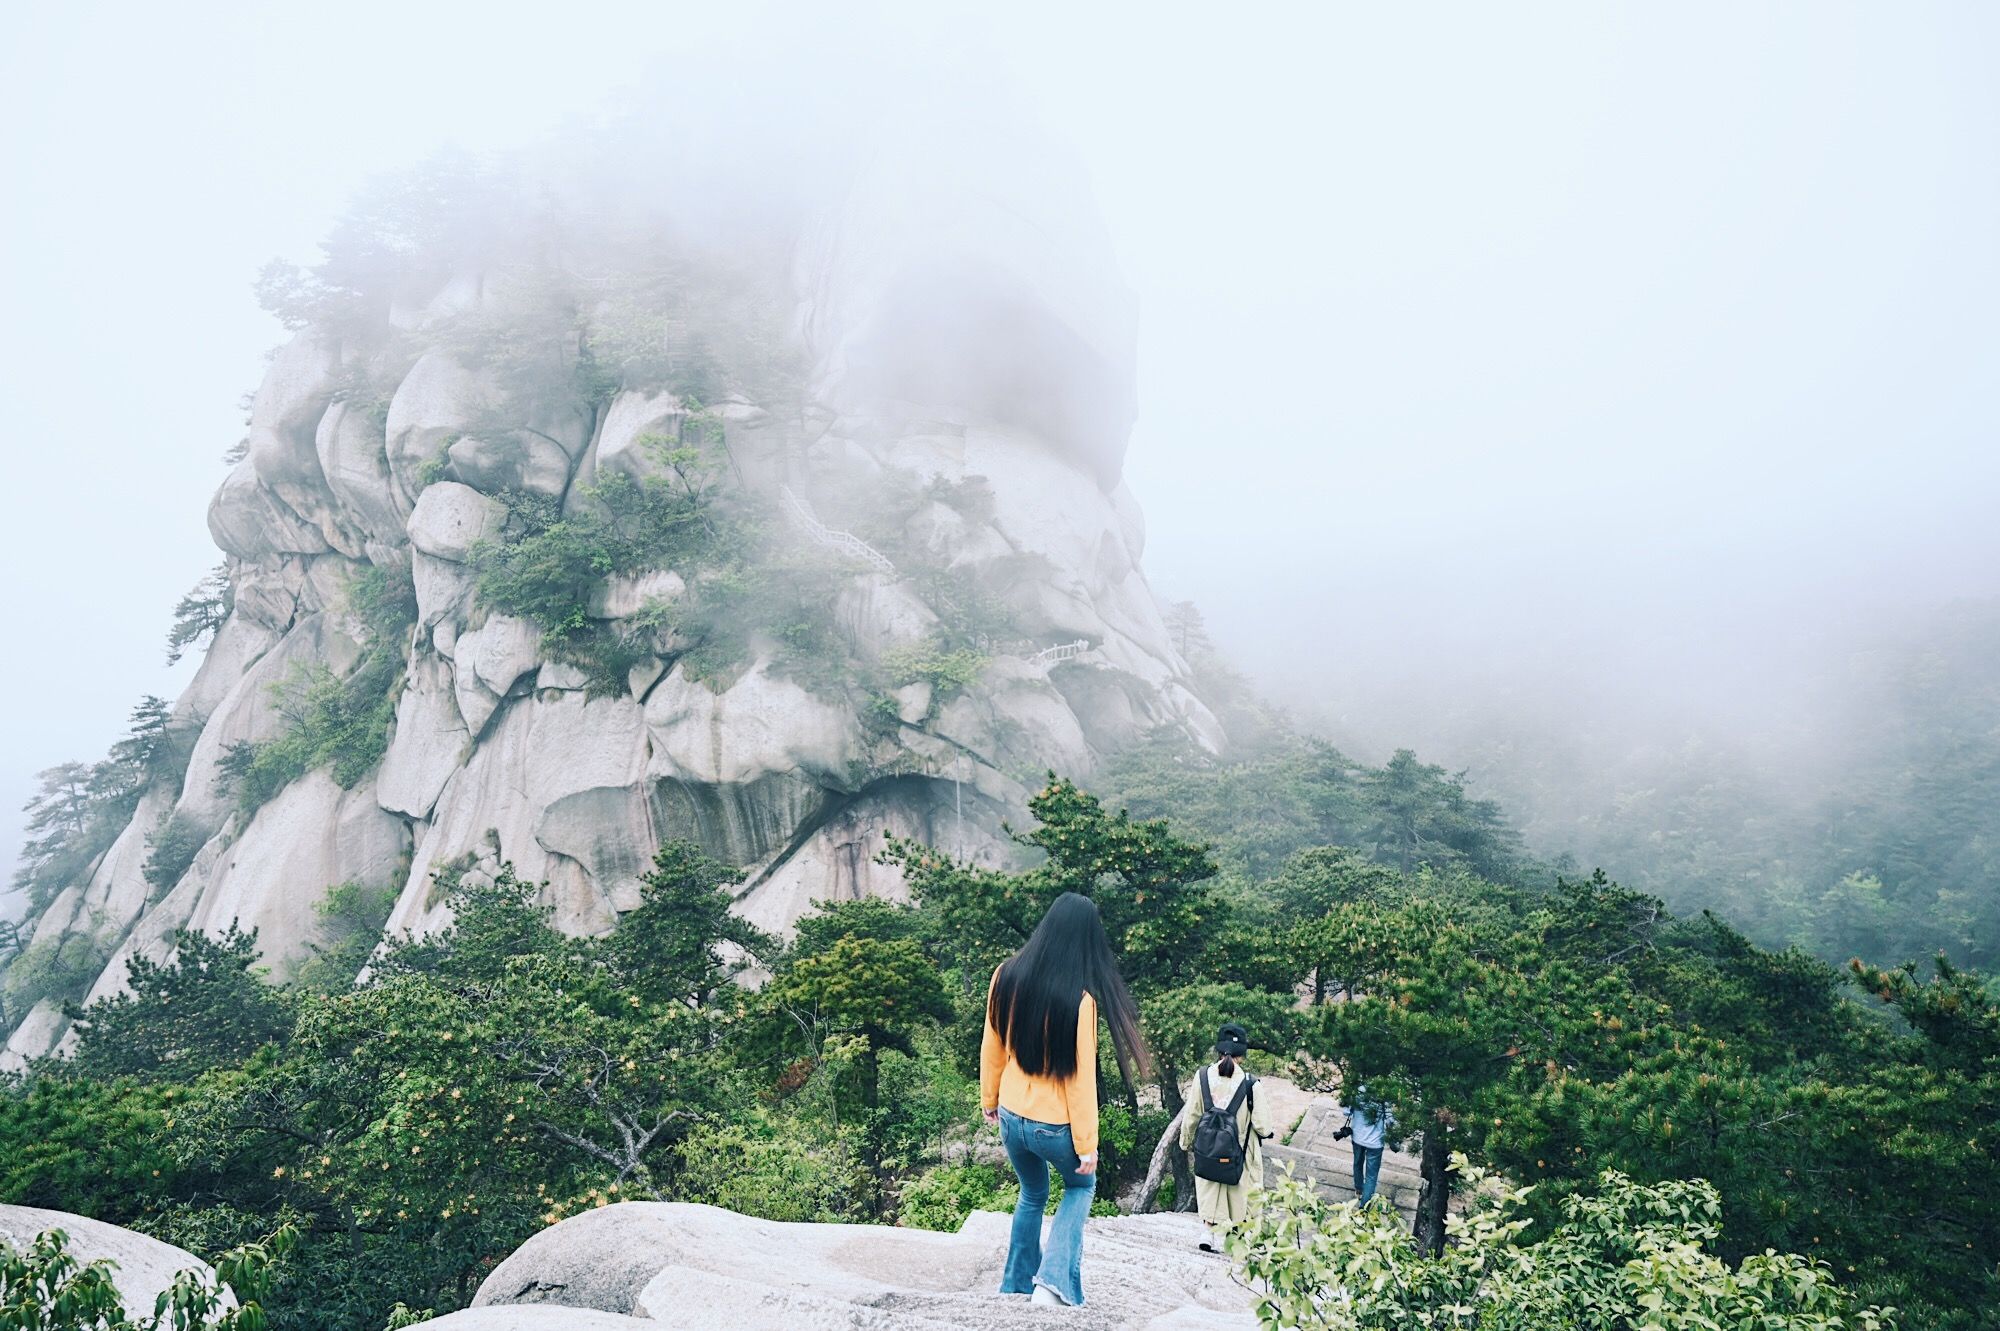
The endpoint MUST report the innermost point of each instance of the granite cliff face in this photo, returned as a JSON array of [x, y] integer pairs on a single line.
[[915, 412]]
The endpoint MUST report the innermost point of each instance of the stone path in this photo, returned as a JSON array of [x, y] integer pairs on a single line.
[[1313, 1154]]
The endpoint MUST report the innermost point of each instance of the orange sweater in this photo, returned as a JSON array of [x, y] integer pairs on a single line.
[[1003, 1083]]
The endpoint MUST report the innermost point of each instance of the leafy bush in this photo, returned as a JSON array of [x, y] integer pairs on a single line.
[[44, 1288], [549, 565], [96, 1148], [942, 1197], [351, 917], [1632, 1255], [778, 1172], [330, 722], [949, 671], [333, 722], [61, 969], [170, 849]]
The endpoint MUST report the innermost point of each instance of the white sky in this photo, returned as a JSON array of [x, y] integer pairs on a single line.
[[1606, 340]]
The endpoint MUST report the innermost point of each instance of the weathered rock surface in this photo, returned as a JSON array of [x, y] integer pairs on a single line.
[[673, 1263], [145, 1267], [971, 353]]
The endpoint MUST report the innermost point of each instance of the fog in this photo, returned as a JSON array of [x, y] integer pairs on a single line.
[[1586, 370]]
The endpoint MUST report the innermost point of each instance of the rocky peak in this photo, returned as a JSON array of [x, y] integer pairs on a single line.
[[548, 548]]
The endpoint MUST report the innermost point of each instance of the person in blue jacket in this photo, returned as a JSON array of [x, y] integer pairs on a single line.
[[1368, 1122]]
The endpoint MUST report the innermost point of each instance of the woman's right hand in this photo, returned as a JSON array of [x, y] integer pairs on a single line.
[[990, 1115]]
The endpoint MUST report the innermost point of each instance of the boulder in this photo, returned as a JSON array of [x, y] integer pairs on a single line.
[[437, 401], [663, 1261], [476, 702], [444, 591], [526, 1317], [249, 520], [35, 1036], [837, 862], [876, 612], [500, 651], [511, 460], [762, 724], [143, 1268], [429, 744], [355, 460], [561, 675], [507, 803], [448, 519], [626, 594], [630, 419]]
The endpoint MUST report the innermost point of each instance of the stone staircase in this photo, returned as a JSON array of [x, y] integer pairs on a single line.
[[1314, 1155]]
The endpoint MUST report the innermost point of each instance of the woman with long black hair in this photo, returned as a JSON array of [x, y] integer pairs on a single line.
[[1038, 1081]]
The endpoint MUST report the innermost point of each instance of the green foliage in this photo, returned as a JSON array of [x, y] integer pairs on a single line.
[[1288, 795], [675, 946], [60, 969], [495, 1075], [351, 919], [555, 558], [1866, 825], [98, 1148], [943, 1196], [80, 808], [948, 671], [170, 849], [204, 1008], [773, 1170], [201, 612], [341, 724], [1626, 1255], [46, 1289]]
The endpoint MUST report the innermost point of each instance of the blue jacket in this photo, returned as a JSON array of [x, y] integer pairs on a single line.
[[1370, 1120]]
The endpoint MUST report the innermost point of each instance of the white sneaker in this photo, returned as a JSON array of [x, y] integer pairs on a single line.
[[1047, 1298]]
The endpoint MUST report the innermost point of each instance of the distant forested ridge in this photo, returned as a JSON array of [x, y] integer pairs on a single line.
[[1853, 813]]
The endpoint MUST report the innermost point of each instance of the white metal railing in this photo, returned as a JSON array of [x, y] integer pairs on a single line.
[[845, 542], [1066, 651]]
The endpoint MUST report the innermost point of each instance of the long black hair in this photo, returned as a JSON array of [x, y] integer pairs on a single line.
[[1039, 990]]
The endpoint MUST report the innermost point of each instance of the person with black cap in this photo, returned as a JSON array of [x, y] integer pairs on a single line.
[[1225, 1088]]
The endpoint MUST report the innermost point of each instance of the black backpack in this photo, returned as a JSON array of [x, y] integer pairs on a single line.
[[1218, 1151]]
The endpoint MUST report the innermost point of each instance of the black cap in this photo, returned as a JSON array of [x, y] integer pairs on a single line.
[[1232, 1040]]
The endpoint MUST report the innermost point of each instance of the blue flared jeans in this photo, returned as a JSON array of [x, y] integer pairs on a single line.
[[1034, 1149]]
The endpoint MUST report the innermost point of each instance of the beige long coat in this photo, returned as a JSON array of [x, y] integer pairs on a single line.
[[1226, 1203]]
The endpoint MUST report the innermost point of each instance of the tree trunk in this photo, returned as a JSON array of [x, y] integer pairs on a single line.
[[1167, 1150], [1435, 1196]]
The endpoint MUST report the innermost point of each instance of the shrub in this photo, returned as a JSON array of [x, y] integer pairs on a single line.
[[948, 671], [941, 1198], [330, 721], [61, 969], [170, 849], [333, 722], [69, 1143], [44, 1288], [205, 1007], [352, 916], [780, 1173], [1633, 1255]]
